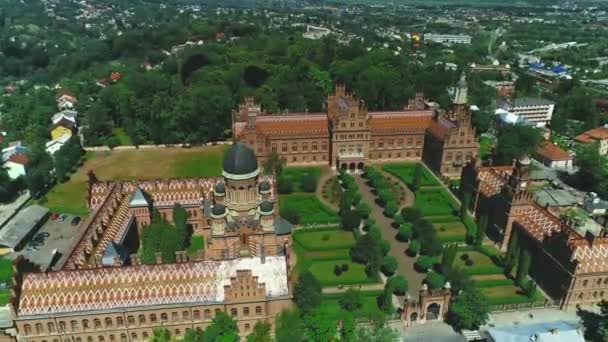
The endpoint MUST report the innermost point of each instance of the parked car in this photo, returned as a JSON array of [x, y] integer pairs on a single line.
[[75, 220]]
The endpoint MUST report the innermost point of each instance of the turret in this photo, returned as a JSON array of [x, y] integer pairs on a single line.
[[266, 211], [218, 219]]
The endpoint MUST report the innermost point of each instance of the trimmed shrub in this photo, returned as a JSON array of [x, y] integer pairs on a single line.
[[290, 214], [414, 248], [364, 210], [399, 285], [389, 265], [344, 267], [411, 214], [424, 263], [385, 246], [350, 219], [374, 232], [391, 209], [309, 183], [469, 262], [337, 270], [405, 232], [464, 256], [434, 280], [284, 185]]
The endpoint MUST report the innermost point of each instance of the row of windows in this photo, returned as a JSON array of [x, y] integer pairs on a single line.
[[390, 155], [304, 148], [595, 295], [351, 125], [449, 156], [598, 282], [351, 136], [306, 158], [108, 322], [391, 143]]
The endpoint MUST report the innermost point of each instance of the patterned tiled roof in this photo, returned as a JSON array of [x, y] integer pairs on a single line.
[[538, 222], [491, 179], [592, 257], [134, 286], [397, 121]]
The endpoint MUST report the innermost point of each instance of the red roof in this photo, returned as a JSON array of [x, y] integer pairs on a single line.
[[550, 151], [600, 133], [114, 76], [19, 158]]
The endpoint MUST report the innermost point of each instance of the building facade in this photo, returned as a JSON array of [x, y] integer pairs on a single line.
[[537, 111], [348, 136], [569, 262], [597, 136], [102, 292]]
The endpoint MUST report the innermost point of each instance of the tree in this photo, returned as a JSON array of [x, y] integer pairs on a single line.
[[386, 298], [515, 141], [391, 209], [596, 324], [482, 120], [289, 327], [309, 183], [447, 258], [348, 332], [512, 252], [284, 185], [351, 300], [469, 310], [405, 232], [350, 219], [424, 263], [364, 209], [464, 206], [307, 292], [222, 328], [399, 284], [161, 335], [367, 251], [417, 180], [434, 280], [482, 226], [523, 266], [377, 334], [320, 324], [389, 265], [291, 214], [413, 248], [411, 214], [260, 333], [180, 219]]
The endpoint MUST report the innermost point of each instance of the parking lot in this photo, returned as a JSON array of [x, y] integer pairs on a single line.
[[61, 234]]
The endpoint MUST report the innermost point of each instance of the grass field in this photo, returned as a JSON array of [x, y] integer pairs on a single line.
[[369, 304], [5, 296], [451, 231], [197, 243], [482, 264], [319, 255], [435, 202], [310, 208], [405, 172], [508, 294], [6, 270], [70, 197], [325, 240]]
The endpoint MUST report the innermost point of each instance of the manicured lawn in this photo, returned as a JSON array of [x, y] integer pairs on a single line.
[[508, 294], [324, 240], [296, 174], [197, 243], [369, 304], [323, 270], [451, 231], [6, 270], [405, 172], [310, 208], [332, 191], [435, 202], [482, 264], [5, 296], [161, 163], [122, 136]]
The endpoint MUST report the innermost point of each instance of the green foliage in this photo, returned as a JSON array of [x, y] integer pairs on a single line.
[[592, 174], [367, 251], [425, 263], [434, 280], [260, 333], [180, 219], [447, 258], [389, 265], [523, 266], [364, 209], [512, 251], [305, 208], [161, 335], [469, 310], [67, 157], [385, 246], [399, 285], [405, 232], [307, 292], [515, 141], [291, 214], [411, 214], [351, 300], [284, 185], [222, 328], [309, 183], [482, 226], [391, 209], [274, 164], [413, 248], [289, 327], [595, 323], [350, 219], [417, 180]]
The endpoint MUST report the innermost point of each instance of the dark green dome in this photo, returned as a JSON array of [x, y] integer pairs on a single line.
[[218, 210], [220, 188], [266, 206], [264, 186], [240, 160]]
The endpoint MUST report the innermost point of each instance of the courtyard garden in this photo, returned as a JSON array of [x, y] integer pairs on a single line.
[[368, 301], [70, 196], [325, 252], [406, 172], [6, 275], [298, 201]]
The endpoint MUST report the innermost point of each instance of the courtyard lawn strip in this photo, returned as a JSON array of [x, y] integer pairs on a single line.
[[310, 208], [369, 304], [296, 173], [405, 172]]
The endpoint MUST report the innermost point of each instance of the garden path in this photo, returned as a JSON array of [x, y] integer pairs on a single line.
[[398, 248], [319, 192]]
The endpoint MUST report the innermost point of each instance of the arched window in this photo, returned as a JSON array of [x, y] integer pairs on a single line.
[[62, 326], [599, 281], [585, 282], [97, 323], [133, 336], [74, 325], [207, 314], [142, 319], [38, 328], [246, 311], [123, 337], [196, 314], [27, 329], [112, 338], [258, 310], [153, 318], [164, 317], [131, 319], [233, 312], [178, 332], [51, 327], [145, 335], [186, 315], [119, 321], [101, 338], [89, 339]]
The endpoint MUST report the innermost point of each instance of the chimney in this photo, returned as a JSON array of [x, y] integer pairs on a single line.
[[159, 258]]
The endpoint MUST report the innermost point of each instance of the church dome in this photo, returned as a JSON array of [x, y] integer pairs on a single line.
[[240, 162], [266, 207], [218, 210], [220, 188], [264, 186]]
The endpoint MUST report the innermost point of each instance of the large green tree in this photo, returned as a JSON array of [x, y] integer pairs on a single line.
[[595, 323], [469, 310], [515, 141], [307, 292]]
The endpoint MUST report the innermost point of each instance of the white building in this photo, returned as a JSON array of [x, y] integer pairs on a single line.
[[448, 39], [315, 32], [14, 160], [537, 111], [53, 146]]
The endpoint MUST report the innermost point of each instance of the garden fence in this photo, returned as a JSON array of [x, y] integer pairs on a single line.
[[525, 306]]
